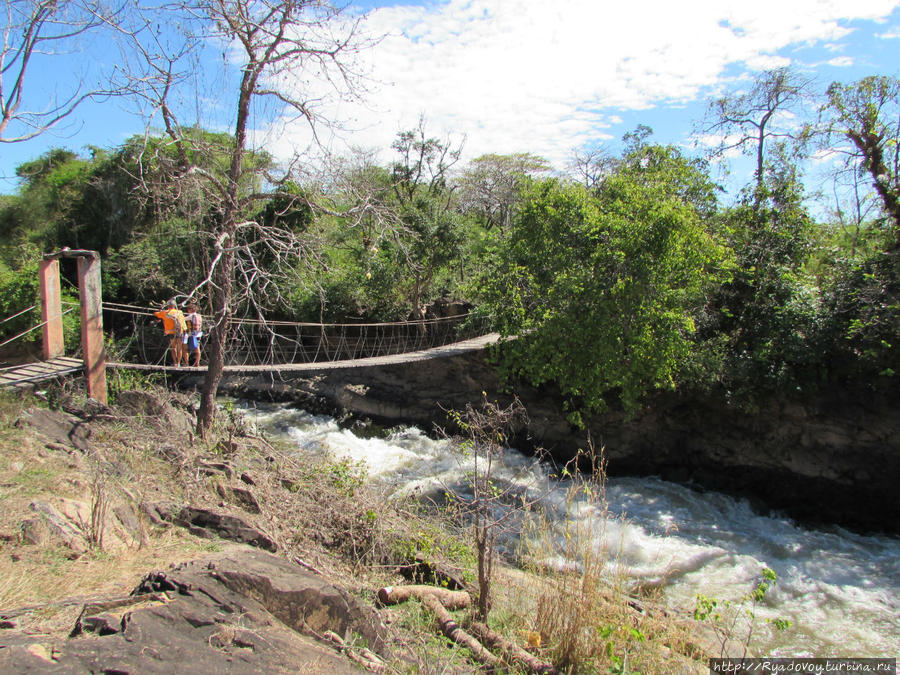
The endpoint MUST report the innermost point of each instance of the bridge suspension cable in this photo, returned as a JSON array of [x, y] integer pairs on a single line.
[[28, 330]]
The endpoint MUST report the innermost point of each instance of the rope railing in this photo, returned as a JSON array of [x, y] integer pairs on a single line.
[[33, 328], [149, 311], [13, 316], [265, 342]]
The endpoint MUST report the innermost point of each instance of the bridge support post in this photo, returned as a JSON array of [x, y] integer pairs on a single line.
[[51, 310], [92, 347]]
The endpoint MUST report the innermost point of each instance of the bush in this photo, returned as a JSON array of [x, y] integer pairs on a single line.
[[20, 289]]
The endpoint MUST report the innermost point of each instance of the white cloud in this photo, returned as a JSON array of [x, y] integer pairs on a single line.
[[731, 142], [520, 75], [841, 62]]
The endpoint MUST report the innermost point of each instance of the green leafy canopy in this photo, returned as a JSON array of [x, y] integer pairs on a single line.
[[601, 287]]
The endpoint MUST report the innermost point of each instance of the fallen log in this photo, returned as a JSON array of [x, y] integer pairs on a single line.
[[511, 650], [448, 626], [441, 601], [451, 600]]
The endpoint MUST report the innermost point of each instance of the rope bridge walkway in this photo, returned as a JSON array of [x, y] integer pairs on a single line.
[[29, 373], [256, 345], [251, 344], [263, 346]]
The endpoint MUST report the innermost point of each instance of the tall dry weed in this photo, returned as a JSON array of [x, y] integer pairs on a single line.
[[584, 620]]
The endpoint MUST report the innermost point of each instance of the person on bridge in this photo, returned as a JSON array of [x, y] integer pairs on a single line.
[[174, 327], [195, 332]]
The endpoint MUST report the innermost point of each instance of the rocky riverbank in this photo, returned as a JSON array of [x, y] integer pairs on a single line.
[[835, 459], [128, 544]]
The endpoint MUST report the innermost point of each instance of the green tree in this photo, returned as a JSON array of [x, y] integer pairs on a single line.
[[426, 238], [764, 321], [867, 114], [601, 287], [45, 211], [862, 121]]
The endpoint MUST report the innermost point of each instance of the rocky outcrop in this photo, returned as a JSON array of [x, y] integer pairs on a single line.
[[834, 459], [61, 430], [242, 612]]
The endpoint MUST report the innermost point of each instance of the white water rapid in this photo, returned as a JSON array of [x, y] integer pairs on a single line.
[[840, 590]]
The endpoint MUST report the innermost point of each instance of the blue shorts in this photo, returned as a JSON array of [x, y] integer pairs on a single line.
[[193, 343]]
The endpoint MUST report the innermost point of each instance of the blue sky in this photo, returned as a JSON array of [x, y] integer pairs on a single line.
[[532, 76]]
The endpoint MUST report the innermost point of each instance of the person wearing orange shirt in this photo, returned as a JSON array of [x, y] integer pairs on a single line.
[[174, 327]]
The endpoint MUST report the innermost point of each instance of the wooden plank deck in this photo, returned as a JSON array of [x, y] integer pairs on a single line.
[[28, 373]]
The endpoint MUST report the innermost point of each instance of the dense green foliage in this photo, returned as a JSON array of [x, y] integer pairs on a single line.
[[602, 286], [634, 281]]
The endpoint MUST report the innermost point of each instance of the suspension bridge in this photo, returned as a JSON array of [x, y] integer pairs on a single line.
[[253, 344]]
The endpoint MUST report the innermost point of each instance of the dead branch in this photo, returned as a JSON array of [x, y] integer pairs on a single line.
[[362, 656], [511, 650], [452, 600], [34, 30], [448, 626]]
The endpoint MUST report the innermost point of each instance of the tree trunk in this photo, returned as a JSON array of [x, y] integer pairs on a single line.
[[511, 650], [222, 278], [217, 337], [448, 626], [451, 600]]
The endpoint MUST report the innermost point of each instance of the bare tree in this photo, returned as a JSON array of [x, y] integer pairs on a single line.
[[366, 191], [493, 507], [749, 121], [591, 165], [282, 55], [33, 31], [490, 185]]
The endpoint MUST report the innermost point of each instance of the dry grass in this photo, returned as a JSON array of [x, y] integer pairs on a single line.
[[122, 468], [318, 510], [52, 582], [574, 607]]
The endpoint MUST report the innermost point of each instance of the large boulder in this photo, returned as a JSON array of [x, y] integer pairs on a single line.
[[57, 428], [240, 612]]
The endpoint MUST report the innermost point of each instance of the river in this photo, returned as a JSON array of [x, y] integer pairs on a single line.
[[840, 590]]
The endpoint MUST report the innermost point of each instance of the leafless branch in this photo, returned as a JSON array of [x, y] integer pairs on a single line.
[[749, 121], [41, 30]]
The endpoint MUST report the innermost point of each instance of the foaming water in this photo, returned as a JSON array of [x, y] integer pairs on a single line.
[[840, 590]]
